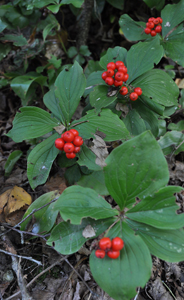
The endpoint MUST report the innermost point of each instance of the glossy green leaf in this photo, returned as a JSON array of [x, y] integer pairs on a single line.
[[159, 210], [165, 244], [142, 57], [70, 85], [152, 105], [99, 98], [45, 217], [158, 86], [131, 269], [150, 119], [40, 161], [87, 158], [132, 30], [134, 123], [95, 181], [31, 123], [53, 105], [178, 126], [21, 84], [117, 3], [134, 171], [158, 4], [68, 238], [113, 54], [172, 15], [172, 142], [76, 203], [11, 161], [107, 122]]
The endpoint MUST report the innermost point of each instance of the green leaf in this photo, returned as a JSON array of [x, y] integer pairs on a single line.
[[142, 57], [107, 122], [149, 118], [4, 50], [159, 210], [155, 107], [11, 161], [165, 244], [172, 15], [48, 29], [131, 269], [22, 84], [45, 217], [178, 127], [132, 30], [158, 4], [68, 238], [72, 174], [72, 51], [173, 46], [134, 123], [76, 3], [162, 127], [31, 123], [53, 104], [113, 54], [117, 3], [70, 85], [18, 40], [76, 203], [158, 86], [2, 25], [84, 50], [87, 158], [93, 79], [134, 171], [170, 142], [99, 98], [95, 181], [40, 161]]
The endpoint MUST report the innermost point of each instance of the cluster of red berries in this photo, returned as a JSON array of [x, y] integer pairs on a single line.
[[134, 95], [70, 142], [120, 75], [153, 26], [111, 248]]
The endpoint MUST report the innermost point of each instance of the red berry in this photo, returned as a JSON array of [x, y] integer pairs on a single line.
[[151, 19], [70, 155], [109, 80], [160, 20], [74, 131], [122, 69], [119, 76], [111, 65], [59, 143], [110, 72], [124, 90], [126, 76], [158, 29], [118, 64], [147, 30], [78, 141], [153, 33], [117, 244], [156, 21], [118, 82], [138, 91], [150, 25], [68, 136], [100, 253], [76, 149], [68, 148], [133, 96], [113, 254], [105, 243], [104, 75]]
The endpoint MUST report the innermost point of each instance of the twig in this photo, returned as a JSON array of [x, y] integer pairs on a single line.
[[169, 290], [24, 257]]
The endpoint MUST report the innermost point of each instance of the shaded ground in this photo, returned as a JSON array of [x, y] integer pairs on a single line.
[[69, 277]]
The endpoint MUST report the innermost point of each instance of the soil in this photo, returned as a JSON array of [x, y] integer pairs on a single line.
[[61, 277]]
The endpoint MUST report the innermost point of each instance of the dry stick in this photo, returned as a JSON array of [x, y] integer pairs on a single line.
[[84, 23], [35, 278], [17, 269], [24, 257]]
